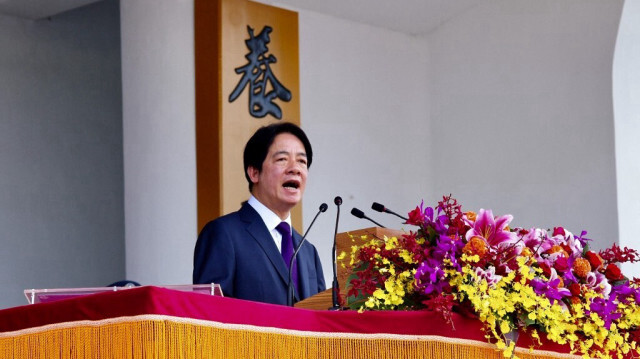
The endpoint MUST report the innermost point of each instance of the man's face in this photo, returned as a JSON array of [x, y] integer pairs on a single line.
[[281, 183]]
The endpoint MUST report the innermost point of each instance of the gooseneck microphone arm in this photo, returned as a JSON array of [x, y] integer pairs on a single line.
[[290, 286], [381, 208], [358, 213], [335, 285]]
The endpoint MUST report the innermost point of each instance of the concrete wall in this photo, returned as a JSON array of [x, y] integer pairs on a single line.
[[159, 139], [522, 112], [61, 179], [626, 100], [366, 110]]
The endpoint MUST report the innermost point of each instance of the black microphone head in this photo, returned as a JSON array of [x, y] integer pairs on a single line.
[[323, 207], [358, 213], [377, 207], [337, 200]]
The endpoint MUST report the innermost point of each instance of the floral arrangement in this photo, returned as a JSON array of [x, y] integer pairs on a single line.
[[512, 279]]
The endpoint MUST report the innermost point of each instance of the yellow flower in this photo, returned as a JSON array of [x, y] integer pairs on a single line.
[[390, 243], [505, 327], [407, 257], [496, 304], [508, 353], [470, 258]]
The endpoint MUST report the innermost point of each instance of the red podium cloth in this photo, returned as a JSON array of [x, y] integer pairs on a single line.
[[166, 302]]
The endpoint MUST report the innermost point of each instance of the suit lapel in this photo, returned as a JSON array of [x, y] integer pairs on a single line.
[[258, 230], [303, 270]]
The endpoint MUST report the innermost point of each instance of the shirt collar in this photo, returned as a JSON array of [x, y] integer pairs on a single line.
[[270, 219]]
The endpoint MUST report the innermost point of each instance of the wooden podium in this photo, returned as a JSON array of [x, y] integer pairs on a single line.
[[344, 241]]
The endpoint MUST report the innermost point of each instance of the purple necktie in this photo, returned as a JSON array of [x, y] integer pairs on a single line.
[[287, 250]]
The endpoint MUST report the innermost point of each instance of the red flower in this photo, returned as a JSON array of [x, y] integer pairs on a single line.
[[575, 289], [353, 290], [594, 259], [561, 264], [616, 254], [443, 305], [545, 268], [416, 217], [575, 300], [558, 231], [613, 272]]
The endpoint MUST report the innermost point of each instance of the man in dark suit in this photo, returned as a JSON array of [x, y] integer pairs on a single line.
[[248, 252]]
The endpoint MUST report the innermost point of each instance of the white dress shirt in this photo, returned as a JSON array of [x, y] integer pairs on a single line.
[[270, 219]]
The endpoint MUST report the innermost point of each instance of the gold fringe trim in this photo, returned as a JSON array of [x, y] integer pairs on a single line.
[[167, 337]]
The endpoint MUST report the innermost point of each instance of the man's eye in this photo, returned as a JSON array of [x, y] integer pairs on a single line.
[[304, 162]]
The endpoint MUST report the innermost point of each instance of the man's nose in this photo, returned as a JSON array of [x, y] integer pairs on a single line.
[[294, 167]]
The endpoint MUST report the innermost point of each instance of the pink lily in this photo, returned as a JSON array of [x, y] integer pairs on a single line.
[[493, 230]]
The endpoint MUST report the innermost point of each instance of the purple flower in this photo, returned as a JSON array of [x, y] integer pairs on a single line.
[[550, 289], [430, 277], [606, 309], [439, 222], [430, 274], [425, 217], [624, 293], [583, 240], [568, 276], [448, 248]]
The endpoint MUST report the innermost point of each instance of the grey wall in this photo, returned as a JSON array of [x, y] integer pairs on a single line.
[[159, 139], [61, 174], [365, 108], [626, 100], [523, 114]]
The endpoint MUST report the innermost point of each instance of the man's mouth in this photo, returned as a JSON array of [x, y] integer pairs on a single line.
[[291, 184]]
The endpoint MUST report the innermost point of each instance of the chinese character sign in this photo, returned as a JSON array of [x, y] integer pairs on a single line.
[[264, 87], [247, 76]]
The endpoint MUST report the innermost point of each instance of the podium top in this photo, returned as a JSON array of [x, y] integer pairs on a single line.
[[51, 295]]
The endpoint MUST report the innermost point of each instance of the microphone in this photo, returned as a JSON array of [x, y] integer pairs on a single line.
[[358, 213], [381, 208], [290, 286], [335, 285]]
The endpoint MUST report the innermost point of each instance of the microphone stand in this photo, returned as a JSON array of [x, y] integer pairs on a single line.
[[358, 213], [335, 285], [381, 208], [290, 286]]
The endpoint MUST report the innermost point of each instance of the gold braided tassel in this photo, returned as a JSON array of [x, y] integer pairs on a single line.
[[151, 337]]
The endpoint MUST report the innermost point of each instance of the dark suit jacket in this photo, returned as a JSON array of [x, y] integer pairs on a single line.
[[238, 252]]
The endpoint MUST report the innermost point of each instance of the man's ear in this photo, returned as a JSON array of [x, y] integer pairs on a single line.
[[253, 174]]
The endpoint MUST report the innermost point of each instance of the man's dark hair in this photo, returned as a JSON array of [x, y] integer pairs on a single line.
[[258, 145]]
